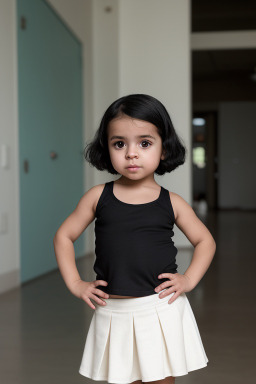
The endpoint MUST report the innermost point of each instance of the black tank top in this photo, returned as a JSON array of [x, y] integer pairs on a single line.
[[133, 243]]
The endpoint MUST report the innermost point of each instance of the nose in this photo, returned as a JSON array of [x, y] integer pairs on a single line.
[[131, 151], [130, 154]]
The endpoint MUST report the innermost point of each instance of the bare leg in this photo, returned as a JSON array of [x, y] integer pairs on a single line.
[[137, 382], [167, 380]]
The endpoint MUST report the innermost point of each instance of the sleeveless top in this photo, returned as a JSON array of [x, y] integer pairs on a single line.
[[133, 243]]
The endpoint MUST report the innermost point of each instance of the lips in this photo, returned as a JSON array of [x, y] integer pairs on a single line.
[[133, 166]]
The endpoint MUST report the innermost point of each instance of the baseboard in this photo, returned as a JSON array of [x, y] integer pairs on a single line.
[[9, 280]]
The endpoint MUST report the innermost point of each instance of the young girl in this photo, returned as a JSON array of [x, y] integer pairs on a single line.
[[143, 328]]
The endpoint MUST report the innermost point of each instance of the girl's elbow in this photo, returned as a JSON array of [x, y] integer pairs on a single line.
[[56, 236], [213, 243]]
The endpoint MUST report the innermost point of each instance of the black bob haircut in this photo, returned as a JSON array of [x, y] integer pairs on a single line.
[[142, 107]]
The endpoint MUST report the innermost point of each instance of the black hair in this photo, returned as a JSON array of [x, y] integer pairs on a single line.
[[142, 107]]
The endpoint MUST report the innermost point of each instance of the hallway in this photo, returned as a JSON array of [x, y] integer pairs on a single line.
[[43, 326]]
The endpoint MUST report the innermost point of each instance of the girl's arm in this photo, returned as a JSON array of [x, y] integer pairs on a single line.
[[66, 235], [205, 246], [199, 236]]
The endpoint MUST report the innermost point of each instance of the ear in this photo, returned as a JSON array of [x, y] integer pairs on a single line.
[[162, 155]]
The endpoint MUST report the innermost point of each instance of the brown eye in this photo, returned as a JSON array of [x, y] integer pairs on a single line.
[[147, 142], [117, 142]]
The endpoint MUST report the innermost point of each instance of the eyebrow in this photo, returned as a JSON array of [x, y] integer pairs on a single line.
[[122, 137]]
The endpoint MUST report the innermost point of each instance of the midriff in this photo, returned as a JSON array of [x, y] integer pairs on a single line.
[[121, 297]]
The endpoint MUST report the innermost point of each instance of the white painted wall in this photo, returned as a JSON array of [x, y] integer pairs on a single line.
[[9, 197], [154, 47], [139, 46], [237, 156]]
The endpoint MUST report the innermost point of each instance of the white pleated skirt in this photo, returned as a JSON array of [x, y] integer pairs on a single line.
[[142, 338]]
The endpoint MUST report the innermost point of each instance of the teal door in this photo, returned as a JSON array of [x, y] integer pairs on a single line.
[[50, 132]]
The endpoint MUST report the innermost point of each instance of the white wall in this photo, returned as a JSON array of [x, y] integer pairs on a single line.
[[237, 156], [9, 204], [154, 48], [139, 46]]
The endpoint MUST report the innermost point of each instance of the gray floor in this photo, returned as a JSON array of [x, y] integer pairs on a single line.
[[43, 326]]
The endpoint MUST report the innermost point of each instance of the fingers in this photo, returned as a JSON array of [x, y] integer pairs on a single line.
[[168, 292], [98, 292], [95, 292], [172, 280], [168, 275], [174, 297], [88, 301], [100, 282], [92, 293], [98, 300], [165, 284]]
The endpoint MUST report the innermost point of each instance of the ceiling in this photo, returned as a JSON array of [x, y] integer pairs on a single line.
[[222, 63], [223, 74], [223, 15]]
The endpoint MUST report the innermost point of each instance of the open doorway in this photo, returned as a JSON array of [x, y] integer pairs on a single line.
[[224, 117], [205, 160], [224, 98]]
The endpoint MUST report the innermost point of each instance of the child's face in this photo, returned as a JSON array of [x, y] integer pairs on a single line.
[[130, 149]]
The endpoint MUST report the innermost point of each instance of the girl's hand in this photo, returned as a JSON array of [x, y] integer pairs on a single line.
[[178, 283], [87, 290]]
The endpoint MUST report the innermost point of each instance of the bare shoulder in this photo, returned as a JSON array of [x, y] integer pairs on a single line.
[[91, 197], [96, 192], [179, 204], [83, 214]]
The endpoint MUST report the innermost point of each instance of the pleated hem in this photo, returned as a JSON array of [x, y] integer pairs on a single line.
[[130, 380], [146, 344]]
